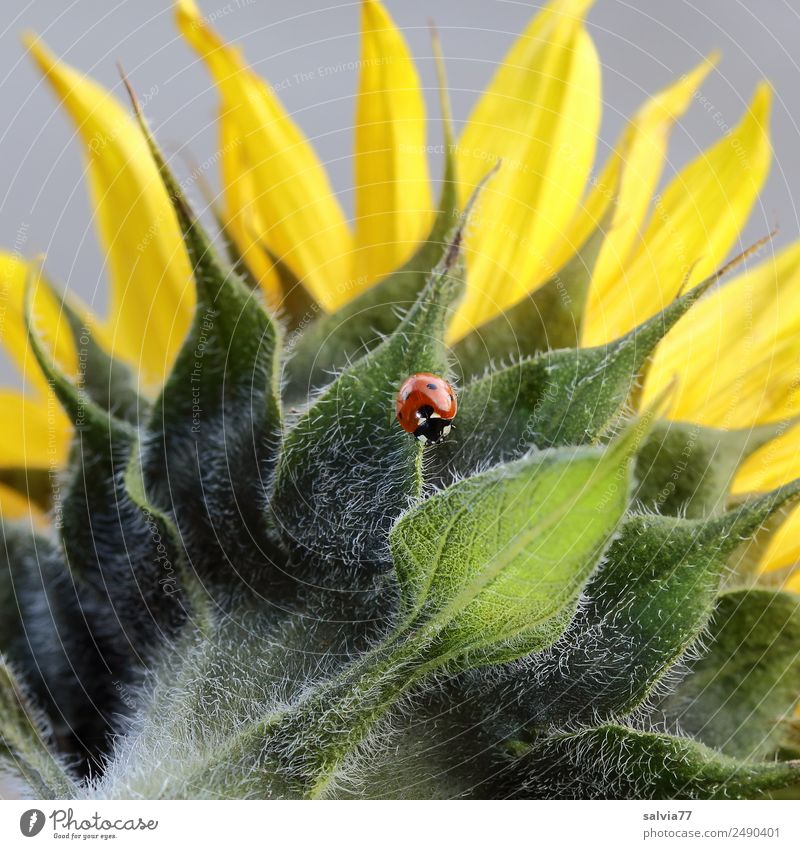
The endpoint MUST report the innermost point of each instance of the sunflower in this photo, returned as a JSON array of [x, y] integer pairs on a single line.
[[161, 486], [735, 355]]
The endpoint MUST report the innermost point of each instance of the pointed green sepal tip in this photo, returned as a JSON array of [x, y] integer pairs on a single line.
[[87, 417], [331, 340]]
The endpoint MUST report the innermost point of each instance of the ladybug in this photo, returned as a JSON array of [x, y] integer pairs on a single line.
[[426, 406]]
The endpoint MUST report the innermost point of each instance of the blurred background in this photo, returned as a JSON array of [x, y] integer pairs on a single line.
[[306, 49]]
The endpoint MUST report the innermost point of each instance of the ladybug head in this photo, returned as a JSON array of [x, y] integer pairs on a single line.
[[432, 427]]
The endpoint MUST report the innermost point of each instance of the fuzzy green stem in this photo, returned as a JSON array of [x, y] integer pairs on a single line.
[[307, 743]]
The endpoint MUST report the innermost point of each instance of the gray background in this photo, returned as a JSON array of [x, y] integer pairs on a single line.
[[643, 45]]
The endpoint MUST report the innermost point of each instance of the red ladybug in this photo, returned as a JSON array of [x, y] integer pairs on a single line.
[[426, 406]]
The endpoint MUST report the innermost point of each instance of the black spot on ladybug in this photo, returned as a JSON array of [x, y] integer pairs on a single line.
[[432, 386]]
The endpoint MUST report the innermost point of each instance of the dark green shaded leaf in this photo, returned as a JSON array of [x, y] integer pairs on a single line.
[[441, 750], [111, 545], [64, 641], [748, 680], [687, 469], [212, 438], [108, 382]]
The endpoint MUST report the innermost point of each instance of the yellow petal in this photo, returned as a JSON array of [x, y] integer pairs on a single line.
[[15, 507], [302, 221], [34, 433], [774, 464], [393, 204], [540, 115], [695, 223], [151, 283], [632, 175], [784, 549], [736, 352], [241, 214], [48, 318]]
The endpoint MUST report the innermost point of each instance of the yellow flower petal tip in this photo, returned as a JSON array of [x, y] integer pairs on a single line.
[[152, 295], [540, 115], [393, 205], [676, 99], [695, 223], [577, 9], [187, 13], [756, 312], [294, 213], [630, 178], [34, 45]]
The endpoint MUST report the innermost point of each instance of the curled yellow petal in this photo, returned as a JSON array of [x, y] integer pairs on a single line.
[[736, 352], [631, 177], [34, 433], [151, 282], [693, 226], [393, 205], [50, 323], [540, 115], [301, 220]]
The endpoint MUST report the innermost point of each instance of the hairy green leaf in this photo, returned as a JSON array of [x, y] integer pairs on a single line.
[[347, 469], [107, 381], [484, 562], [109, 542], [614, 762], [440, 750], [564, 397], [212, 439], [687, 469], [66, 642], [649, 601]]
